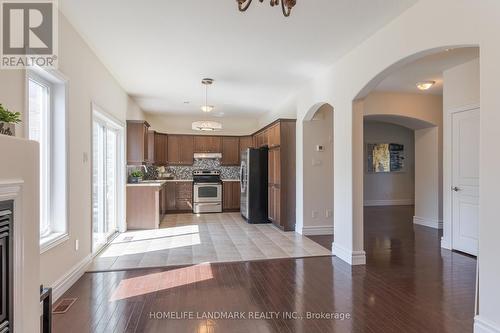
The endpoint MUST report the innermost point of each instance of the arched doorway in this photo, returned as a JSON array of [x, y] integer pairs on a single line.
[[431, 131]]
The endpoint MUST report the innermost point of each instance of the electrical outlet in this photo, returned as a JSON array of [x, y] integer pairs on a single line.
[[328, 213], [77, 245], [314, 214], [316, 162]]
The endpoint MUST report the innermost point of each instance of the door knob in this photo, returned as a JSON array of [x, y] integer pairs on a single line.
[[456, 189]]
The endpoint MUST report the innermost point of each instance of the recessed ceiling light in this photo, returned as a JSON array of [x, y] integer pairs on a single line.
[[425, 85]]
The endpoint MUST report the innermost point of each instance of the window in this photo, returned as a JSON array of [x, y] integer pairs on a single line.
[[39, 129], [46, 124], [107, 169]]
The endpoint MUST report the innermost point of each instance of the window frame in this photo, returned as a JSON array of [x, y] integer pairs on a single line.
[[105, 119], [58, 162]]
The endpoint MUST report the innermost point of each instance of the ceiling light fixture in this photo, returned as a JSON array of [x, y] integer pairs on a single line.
[[426, 85], [206, 126], [207, 108], [286, 5]]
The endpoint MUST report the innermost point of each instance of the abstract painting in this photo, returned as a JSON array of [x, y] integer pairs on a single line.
[[385, 157]]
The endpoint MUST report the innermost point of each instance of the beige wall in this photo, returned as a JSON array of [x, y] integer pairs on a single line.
[[394, 188], [318, 174], [89, 82], [182, 124]]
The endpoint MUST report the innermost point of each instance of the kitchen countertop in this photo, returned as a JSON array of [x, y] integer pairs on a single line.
[[159, 183]]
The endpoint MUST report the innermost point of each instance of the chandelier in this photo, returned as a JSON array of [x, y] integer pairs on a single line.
[[206, 107], [286, 5], [206, 126]]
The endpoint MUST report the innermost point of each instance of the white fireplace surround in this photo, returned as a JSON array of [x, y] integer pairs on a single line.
[[11, 190]]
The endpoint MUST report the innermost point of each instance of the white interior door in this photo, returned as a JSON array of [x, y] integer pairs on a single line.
[[465, 188]]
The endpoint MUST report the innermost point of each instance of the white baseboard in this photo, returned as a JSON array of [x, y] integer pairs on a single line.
[[482, 325], [353, 258], [428, 222], [395, 202], [317, 230], [67, 280]]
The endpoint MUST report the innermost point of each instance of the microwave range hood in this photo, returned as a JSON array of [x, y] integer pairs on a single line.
[[207, 156]]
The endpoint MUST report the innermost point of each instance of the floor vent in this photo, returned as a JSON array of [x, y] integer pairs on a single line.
[[63, 305], [128, 239]]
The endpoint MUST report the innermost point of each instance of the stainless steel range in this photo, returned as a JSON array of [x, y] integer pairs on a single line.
[[207, 191]]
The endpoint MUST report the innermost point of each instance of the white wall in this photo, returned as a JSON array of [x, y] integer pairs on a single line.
[[429, 177], [318, 174], [461, 89], [454, 22], [134, 112], [394, 188], [182, 124], [489, 228]]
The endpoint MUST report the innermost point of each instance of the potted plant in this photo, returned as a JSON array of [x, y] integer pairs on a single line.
[[136, 176], [8, 121]]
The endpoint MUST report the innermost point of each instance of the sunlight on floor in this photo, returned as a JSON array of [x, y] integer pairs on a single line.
[[150, 283], [144, 241]]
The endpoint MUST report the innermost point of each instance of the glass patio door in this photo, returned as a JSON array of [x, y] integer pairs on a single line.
[[105, 176]]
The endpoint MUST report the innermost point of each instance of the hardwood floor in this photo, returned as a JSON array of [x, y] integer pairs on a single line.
[[408, 285]]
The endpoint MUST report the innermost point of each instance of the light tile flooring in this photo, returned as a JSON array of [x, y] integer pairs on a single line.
[[187, 239]]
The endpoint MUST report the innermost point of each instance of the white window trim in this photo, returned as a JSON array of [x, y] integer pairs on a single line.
[[57, 78], [100, 115]]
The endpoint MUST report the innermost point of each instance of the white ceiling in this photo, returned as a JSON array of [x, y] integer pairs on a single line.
[[429, 68], [160, 50]]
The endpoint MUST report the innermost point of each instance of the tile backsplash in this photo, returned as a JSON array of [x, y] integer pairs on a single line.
[[186, 172]]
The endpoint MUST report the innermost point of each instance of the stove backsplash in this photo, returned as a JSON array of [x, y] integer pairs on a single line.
[[186, 172]]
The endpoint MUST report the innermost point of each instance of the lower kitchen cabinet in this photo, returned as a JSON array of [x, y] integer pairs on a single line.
[[231, 196], [179, 196], [146, 206]]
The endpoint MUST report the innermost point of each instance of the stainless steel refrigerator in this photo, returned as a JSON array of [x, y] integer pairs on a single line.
[[253, 177]]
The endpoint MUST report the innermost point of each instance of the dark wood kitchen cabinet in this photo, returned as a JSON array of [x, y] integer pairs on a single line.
[[180, 150], [137, 142], [179, 196], [246, 142], [151, 147], [160, 148], [207, 144], [281, 174], [231, 196], [230, 150]]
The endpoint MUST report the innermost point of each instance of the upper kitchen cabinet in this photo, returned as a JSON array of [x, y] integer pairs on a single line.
[[230, 150], [246, 142], [180, 149], [137, 141], [207, 144], [274, 135], [151, 146], [160, 148], [260, 139]]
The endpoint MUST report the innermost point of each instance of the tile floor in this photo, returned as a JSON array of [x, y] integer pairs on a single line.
[[186, 239]]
